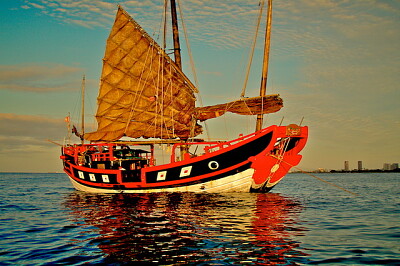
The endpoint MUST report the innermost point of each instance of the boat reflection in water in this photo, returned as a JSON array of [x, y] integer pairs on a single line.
[[188, 228]]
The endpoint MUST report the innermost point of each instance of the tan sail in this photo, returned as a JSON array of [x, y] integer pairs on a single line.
[[143, 93], [245, 106]]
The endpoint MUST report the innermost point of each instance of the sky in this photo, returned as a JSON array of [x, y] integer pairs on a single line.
[[335, 63]]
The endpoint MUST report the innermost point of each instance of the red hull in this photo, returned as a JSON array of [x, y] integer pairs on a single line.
[[252, 163]]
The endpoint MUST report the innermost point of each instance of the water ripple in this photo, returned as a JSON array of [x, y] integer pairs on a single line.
[[302, 222]]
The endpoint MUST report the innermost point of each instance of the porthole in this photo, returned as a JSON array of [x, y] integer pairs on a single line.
[[213, 165]]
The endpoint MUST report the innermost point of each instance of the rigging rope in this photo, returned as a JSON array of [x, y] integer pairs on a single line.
[[281, 154], [165, 17], [135, 101], [252, 50], [319, 178], [192, 66]]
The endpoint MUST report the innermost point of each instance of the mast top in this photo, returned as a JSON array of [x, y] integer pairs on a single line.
[[175, 32], [267, 42]]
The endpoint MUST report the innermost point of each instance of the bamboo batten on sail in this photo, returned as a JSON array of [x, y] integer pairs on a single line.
[[245, 106], [142, 91]]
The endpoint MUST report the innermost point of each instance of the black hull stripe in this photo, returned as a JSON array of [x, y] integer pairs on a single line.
[[228, 159]]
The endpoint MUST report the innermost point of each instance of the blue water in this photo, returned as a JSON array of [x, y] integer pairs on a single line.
[[304, 221]]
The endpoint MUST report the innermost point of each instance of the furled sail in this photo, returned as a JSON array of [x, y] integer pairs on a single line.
[[143, 93], [245, 106]]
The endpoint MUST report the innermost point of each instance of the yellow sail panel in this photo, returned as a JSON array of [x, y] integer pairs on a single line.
[[143, 93], [245, 106]]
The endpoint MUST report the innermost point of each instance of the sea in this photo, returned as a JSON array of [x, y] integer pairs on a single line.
[[303, 220]]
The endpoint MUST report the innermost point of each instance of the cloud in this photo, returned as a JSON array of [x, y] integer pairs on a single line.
[[24, 145], [312, 31], [30, 126], [37, 6], [227, 24], [26, 136], [23, 137], [85, 13], [37, 77]]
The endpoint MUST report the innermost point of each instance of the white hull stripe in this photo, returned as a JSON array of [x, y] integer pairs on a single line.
[[239, 182]]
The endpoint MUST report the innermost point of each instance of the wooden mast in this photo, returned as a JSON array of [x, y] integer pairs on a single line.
[[83, 109], [175, 32], [263, 87], [177, 53]]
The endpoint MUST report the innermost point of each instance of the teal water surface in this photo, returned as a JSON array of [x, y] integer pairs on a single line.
[[44, 221]]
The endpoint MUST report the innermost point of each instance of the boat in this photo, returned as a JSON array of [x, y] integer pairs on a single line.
[[146, 101]]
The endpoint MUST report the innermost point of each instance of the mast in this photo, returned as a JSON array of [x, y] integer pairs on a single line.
[[267, 42], [177, 53], [83, 109], [175, 31]]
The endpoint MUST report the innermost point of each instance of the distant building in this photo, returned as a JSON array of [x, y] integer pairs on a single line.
[[346, 166], [360, 166], [386, 166], [390, 166]]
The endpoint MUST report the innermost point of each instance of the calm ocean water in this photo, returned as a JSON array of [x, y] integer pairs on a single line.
[[44, 221]]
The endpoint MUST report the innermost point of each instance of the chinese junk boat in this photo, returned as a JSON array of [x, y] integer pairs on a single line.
[[145, 95]]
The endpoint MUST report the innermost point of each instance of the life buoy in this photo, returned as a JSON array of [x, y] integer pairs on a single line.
[[213, 165]]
